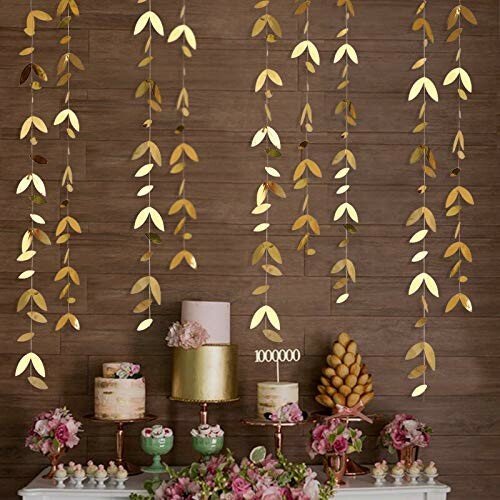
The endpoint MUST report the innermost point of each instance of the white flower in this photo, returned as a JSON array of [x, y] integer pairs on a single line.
[[311, 488]]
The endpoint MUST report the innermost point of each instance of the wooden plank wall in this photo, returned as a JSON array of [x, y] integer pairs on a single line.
[[464, 395]]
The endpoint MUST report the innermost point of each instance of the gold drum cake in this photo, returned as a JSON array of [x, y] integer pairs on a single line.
[[120, 394], [273, 395], [204, 362]]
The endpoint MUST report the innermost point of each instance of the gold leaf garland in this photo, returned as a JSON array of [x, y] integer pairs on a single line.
[[32, 298], [306, 164], [269, 26], [68, 119], [459, 196], [422, 155], [344, 160], [183, 153], [148, 89]]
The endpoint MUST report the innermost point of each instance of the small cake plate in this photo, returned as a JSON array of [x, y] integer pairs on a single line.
[[278, 426], [131, 468]]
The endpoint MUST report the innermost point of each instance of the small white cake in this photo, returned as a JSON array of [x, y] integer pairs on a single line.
[[215, 317], [119, 398], [273, 395]]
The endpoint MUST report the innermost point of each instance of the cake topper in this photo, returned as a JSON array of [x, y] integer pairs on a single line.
[[277, 356]]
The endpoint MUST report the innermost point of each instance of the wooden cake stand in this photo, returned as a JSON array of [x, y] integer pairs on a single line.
[[132, 469]]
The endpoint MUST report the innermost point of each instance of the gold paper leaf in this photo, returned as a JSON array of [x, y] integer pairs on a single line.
[[37, 382], [272, 335]]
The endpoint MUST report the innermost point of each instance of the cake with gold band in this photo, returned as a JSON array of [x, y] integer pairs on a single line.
[[204, 362], [273, 395], [120, 394]]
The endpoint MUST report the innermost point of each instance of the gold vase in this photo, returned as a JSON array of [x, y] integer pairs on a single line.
[[408, 454], [335, 466], [54, 458]]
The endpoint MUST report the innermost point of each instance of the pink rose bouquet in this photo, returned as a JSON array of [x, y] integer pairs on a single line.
[[188, 335], [334, 437], [405, 430], [52, 431], [224, 478], [290, 412]]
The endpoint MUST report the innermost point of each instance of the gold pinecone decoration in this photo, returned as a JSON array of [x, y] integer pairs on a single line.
[[345, 380]]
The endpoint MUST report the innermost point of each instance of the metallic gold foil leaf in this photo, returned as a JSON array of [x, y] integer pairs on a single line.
[[419, 390], [143, 306], [417, 371], [342, 298], [260, 290], [144, 324], [25, 337], [37, 317], [272, 335], [38, 383], [272, 269], [26, 274]]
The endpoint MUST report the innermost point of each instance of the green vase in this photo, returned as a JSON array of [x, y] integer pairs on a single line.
[[207, 446], [157, 447]]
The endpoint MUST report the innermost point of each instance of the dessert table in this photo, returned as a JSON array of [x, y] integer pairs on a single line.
[[356, 488]]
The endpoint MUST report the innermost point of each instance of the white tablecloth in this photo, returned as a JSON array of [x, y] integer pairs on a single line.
[[359, 488]]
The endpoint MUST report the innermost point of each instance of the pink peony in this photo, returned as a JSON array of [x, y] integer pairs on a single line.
[[240, 486], [340, 445], [188, 335], [62, 434]]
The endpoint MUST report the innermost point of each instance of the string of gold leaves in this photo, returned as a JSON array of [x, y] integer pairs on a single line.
[[183, 153], [32, 182], [269, 26], [459, 193], [68, 119], [148, 89], [422, 155], [306, 164], [345, 159]]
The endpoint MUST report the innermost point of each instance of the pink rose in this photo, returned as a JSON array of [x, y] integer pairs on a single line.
[[62, 434], [240, 486], [340, 445]]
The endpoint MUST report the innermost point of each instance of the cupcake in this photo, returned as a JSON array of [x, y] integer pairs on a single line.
[[70, 468], [398, 470], [384, 466], [414, 469], [60, 472], [91, 468], [112, 468], [101, 472], [121, 473], [378, 470], [78, 473], [431, 469]]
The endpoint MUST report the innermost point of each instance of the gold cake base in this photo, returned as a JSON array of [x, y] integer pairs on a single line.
[[208, 374]]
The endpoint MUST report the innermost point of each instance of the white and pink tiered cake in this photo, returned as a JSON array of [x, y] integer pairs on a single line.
[[118, 398], [215, 317]]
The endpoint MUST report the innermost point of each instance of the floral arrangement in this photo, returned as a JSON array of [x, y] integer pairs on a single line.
[[188, 335], [128, 370], [290, 412], [222, 477], [334, 437], [405, 430], [52, 431]]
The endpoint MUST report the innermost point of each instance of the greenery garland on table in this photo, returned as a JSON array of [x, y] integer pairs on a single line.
[[459, 196], [422, 155], [345, 158], [183, 152], [306, 165], [68, 119], [269, 26], [33, 183], [149, 89]]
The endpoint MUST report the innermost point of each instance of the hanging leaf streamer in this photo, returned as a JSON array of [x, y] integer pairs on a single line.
[[148, 217], [266, 254], [422, 155], [344, 160]]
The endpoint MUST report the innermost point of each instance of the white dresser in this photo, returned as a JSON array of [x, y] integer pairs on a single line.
[[360, 488]]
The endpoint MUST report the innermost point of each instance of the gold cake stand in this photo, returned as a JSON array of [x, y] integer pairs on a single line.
[[132, 469], [352, 467], [278, 428]]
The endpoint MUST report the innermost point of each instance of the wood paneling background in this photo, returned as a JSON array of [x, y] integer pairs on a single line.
[[463, 401]]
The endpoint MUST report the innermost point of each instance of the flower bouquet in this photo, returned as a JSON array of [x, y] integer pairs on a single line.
[[404, 435], [290, 412], [128, 370], [51, 433], [188, 335], [334, 440], [224, 478]]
